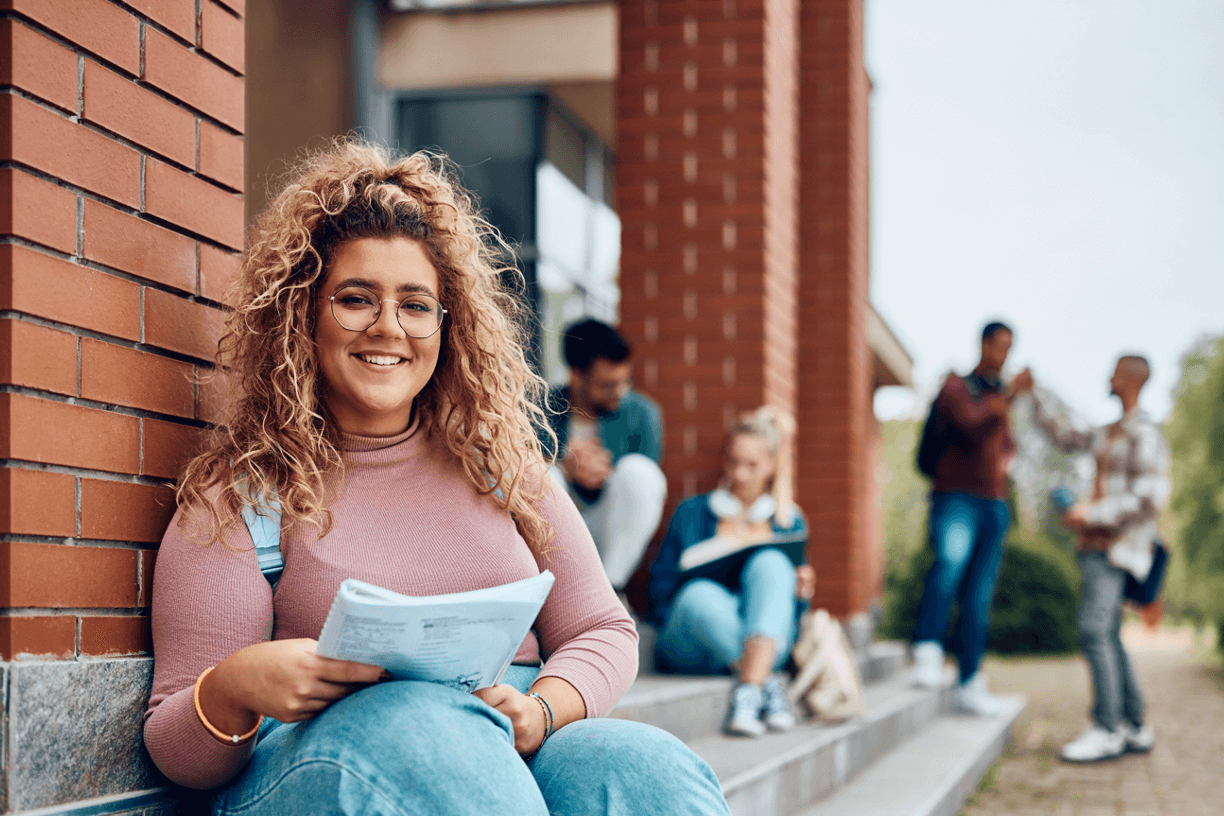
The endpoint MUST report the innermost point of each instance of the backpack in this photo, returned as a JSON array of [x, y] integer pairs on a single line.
[[938, 433], [264, 523]]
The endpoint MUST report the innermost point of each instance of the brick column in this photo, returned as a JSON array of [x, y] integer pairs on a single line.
[[706, 183], [121, 217], [835, 454]]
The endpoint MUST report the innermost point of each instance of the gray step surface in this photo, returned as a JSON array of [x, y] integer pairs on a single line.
[[781, 774], [931, 774], [694, 707]]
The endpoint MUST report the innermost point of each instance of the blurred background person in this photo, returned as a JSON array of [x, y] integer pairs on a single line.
[[1117, 530], [966, 448], [609, 444], [740, 618]]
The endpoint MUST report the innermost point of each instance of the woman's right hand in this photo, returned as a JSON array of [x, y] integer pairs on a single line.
[[283, 679]]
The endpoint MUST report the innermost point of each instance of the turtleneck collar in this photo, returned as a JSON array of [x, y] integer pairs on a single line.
[[355, 443]]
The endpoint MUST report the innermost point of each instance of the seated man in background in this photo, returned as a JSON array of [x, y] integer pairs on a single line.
[[609, 443]]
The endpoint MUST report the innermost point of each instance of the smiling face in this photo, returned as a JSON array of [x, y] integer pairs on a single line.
[[372, 377]]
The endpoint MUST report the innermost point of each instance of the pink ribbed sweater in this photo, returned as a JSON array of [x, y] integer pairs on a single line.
[[407, 519]]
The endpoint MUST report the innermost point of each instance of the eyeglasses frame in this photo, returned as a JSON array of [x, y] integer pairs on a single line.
[[379, 310]]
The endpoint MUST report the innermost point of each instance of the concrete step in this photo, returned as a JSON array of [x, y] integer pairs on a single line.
[[693, 708], [931, 774], [781, 774]]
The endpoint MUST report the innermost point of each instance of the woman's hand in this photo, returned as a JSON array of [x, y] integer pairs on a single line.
[[525, 713], [805, 582], [283, 679]]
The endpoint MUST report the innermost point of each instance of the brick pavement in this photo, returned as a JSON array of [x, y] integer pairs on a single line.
[[1184, 774]]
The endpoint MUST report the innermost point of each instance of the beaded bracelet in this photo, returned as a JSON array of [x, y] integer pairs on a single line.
[[548, 717], [228, 739]]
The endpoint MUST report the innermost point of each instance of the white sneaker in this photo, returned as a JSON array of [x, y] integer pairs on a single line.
[[1139, 740], [744, 719], [777, 714], [973, 698], [928, 665], [1094, 745]]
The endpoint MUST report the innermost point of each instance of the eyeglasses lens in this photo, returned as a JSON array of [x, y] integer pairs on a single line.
[[357, 309]]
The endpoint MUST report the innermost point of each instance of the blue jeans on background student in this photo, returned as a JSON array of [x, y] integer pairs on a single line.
[[967, 534], [707, 623], [1116, 698], [407, 748]]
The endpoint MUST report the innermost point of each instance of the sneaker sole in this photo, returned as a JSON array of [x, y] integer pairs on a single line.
[[1139, 749]]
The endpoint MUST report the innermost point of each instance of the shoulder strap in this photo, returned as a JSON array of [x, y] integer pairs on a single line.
[[264, 522]]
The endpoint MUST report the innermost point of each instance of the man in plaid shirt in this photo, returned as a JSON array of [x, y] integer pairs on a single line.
[[1117, 530]]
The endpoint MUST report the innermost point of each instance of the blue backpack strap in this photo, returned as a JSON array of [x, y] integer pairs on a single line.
[[264, 522]]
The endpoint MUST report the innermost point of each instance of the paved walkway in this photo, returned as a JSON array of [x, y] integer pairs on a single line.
[[1184, 774]]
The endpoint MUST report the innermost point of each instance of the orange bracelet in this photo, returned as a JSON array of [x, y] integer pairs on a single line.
[[228, 739]]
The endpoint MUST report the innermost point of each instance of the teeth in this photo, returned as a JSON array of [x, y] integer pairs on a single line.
[[376, 359]]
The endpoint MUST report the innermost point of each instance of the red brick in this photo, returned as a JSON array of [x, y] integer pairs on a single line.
[[48, 142], [218, 269], [40, 284], [236, 6], [223, 35], [139, 247], [115, 635], [167, 447], [37, 502], [44, 636], [61, 434], [211, 391], [37, 211], [38, 65], [120, 105], [221, 156], [59, 576], [148, 560], [95, 25], [177, 15], [123, 511], [202, 84], [194, 204], [124, 376], [37, 357], [177, 324]]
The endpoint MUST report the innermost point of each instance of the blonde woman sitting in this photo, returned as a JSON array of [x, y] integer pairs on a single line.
[[740, 618]]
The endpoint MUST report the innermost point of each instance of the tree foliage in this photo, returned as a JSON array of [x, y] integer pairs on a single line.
[[1196, 442]]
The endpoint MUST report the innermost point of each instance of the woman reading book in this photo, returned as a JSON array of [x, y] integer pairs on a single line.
[[379, 397], [737, 614]]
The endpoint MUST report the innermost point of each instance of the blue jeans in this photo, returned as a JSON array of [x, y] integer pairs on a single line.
[[406, 748], [1115, 687], [967, 535], [707, 624]]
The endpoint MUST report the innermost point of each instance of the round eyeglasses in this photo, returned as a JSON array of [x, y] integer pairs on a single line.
[[357, 309]]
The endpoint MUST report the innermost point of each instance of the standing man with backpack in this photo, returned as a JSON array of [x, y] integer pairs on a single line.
[[1118, 550], [966, 448]]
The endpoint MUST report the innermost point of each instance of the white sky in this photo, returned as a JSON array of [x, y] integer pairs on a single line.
[[1058, 164]]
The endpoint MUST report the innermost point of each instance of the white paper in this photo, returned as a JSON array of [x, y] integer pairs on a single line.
[[465, 640]]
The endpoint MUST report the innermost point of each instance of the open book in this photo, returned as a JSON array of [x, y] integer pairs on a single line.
[[719, 554], [465, 640]]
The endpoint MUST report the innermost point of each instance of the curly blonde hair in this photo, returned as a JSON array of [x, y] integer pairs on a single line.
[[276, 438]]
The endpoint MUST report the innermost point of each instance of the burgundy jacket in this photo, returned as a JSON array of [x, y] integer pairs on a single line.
[[978, 454]]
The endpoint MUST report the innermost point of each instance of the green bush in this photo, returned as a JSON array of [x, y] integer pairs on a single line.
[[1034, 606]]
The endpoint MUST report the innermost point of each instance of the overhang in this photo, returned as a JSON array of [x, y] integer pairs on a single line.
[[891, 362]]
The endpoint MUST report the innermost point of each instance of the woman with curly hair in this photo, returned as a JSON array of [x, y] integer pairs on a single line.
[[380, 398], [739, 615]]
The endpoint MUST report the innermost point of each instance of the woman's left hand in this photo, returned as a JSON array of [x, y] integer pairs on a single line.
[[526, 715]]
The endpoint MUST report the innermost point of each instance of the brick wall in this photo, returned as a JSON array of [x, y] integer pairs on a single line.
[[121, 213], [706, 188], [835, 383]]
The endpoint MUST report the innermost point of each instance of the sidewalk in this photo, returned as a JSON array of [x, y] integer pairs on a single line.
[[1184, 774]]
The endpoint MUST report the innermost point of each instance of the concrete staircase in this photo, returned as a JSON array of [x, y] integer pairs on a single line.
[[909, 755]]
